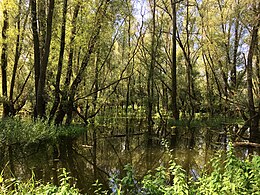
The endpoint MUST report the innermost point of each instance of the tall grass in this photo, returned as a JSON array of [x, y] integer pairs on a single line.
[[26, 131]]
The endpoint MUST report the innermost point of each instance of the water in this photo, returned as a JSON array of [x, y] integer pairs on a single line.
[[105, 148]]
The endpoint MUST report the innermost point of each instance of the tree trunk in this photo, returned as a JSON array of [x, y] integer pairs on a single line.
[[254, 125], [68, 102], [14, 108], [63, 104], [209, 89], [16, 59], [187, 55], [60, 62], [41, 100], [174, 64], [234, 67], [71, 51], [41, 13], [4, 59], [96, 82], [150, 83], [36, 45]]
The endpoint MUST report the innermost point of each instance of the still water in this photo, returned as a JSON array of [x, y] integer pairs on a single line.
[[105, 148]]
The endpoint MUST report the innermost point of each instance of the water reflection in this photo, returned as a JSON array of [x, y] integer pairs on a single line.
[[106, 148]]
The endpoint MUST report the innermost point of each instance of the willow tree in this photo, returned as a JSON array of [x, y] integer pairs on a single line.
[[42, 39], [14, 75], [150, 81], [254, 112], [4, 61], [175, 110], [62, 103], [60, 61], [94, 36]]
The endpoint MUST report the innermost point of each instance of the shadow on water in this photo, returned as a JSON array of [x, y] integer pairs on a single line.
[[105, 149]]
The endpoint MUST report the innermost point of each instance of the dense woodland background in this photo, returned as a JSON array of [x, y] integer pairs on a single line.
[[67, 60]]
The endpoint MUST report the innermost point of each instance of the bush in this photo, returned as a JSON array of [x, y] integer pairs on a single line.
[[228, 175], [17, 187], [231, 176], [14, 131]]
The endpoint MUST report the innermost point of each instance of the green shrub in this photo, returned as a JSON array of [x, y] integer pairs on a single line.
[[228, 175], [26, 131], [231, 176], [17, 187], [173, 181]]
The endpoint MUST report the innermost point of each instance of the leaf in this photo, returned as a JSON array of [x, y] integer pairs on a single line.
[[1, 179]]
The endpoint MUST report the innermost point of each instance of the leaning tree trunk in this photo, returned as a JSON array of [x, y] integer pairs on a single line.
[[16, 60], [74, 86], [14, 105]]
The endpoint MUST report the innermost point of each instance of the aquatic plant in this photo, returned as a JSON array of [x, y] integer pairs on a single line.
[[12, 186], [227, 175], [14, 131]]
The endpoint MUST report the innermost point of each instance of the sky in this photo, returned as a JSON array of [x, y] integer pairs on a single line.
[[141, 9]]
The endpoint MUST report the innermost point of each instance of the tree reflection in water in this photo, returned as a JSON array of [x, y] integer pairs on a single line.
[[108, 148]]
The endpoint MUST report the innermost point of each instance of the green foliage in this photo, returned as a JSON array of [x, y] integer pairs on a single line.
[[98, 189], [17, 131], [15, 186], [127, 185], [160, 182], [229, 175]]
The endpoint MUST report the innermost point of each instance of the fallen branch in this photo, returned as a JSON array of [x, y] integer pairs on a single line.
[[246, 144]]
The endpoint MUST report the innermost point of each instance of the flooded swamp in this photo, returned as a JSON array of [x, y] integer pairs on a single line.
[[104, 148]]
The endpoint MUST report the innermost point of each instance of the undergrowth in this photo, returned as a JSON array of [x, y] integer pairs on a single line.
[[17, 187], [227, 175], [25, 131]]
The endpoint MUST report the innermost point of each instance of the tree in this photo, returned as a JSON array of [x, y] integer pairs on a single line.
[[150, 82], [68, 101], [175, 110], [4, 62], [60, 61], [41, 57], [253, 113]]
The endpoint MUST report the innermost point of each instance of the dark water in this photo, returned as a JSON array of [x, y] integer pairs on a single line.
[[105, 148]]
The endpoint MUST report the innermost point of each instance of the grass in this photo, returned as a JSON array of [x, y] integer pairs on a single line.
[[25, 131]]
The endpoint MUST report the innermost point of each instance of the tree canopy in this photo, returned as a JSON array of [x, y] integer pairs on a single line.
[[65, 60]]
